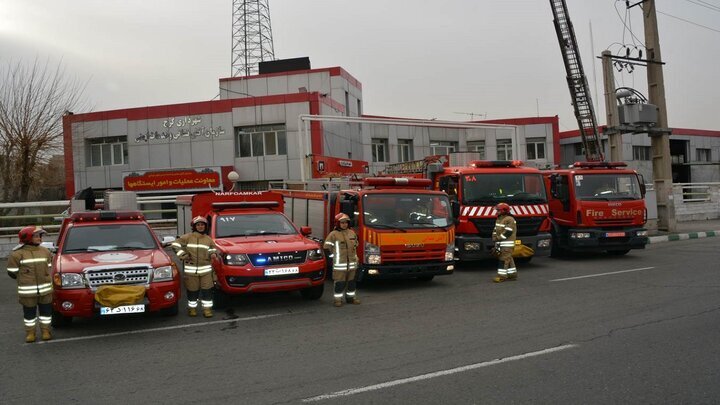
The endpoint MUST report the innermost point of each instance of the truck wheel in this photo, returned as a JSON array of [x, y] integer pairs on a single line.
[[58, 320], [618, 252], [170, 311], [313, 293], [426, 279]]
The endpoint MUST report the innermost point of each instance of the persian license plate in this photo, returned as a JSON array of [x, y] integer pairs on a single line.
[[125, 309], [281, 271], [614, 234], [518, 242]]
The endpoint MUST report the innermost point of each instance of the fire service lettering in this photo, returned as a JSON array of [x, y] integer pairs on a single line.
[[614, 213]]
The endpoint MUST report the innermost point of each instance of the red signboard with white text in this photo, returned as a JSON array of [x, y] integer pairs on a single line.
[[326, 167], [172, 180]]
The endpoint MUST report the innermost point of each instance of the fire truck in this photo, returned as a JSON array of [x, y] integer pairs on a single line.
[[595, 207], [475, 189], [97, 250], [261, 250], [404, 229]]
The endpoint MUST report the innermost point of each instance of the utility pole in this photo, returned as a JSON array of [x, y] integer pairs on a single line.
[[660, 143], [611, 109]]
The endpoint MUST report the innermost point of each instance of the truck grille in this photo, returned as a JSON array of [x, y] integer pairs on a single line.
[[97, 277], [416, 256], [526, 226], [614, 221], [276, 258]]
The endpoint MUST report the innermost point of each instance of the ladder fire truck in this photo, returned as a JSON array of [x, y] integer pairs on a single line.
[[475, 189]]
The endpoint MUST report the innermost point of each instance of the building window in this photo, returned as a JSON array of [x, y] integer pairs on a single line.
[[579, 149], [535, 148], [504, 149], [108, 151], [347, 104], [405, 150], [477, 146], [641, 153], [702, 155], [379, 150], [265, 140], [442, 148]]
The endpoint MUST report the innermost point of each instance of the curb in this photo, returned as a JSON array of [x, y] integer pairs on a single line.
[[682, 236]]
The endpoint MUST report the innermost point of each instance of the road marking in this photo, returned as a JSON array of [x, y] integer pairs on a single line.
[[603, 274], [427, 376], [134, 332]]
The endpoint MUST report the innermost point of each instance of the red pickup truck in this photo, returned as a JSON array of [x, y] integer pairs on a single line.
[[110, 248]]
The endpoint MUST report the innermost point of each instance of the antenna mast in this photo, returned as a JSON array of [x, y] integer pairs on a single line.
[[251, 36]]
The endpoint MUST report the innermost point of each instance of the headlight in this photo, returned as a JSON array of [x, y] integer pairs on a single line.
[[315, 254], [235, 259], [642, 233], [579, 235], [372, 253], [543, 243], [449, 252], [72, 280], [163, 273]]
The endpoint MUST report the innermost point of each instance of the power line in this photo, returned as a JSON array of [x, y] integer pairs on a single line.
[[710, 7], [688, 21], [709, 4]]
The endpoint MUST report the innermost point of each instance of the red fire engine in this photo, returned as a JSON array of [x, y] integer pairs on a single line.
[[404, 229], [597, 206], [475, 189], [261, 249]]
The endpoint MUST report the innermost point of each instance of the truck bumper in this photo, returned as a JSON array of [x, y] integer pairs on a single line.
[[81, 302], [389, 271], [601, 240], [236, 280], [476, 248]]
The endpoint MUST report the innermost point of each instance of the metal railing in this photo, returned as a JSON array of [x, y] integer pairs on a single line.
[[696, 192]]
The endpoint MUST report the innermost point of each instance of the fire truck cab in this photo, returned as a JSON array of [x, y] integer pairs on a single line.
[[596, 207], [261, 250]]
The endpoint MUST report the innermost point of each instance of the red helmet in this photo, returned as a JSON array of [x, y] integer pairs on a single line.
[[26, 234], [341, 217], [502, 208], [197, 220]]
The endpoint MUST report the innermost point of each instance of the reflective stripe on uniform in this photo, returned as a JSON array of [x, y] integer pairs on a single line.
[[350, 293], [508, 243], [30, 322], [175, 244], [192, 304], [45, 320], [13, 269], [499, 225], [338, 295], [206, 304], [337, 253], [512, 271], [180, 252], [195, 245], [36, 260], [40, 289], [508, 228], [502, 235], [502, 272]]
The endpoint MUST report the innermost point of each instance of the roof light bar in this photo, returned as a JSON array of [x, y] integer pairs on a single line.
[[496, 163], [88, 216], [396, 182], [607, 165]]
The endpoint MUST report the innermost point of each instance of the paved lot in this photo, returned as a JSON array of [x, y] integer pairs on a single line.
[[590, 329]]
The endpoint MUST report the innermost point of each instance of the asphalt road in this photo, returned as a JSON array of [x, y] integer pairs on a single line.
[[643, 328]]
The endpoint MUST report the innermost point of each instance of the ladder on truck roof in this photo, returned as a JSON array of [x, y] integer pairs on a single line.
[[577, 82]]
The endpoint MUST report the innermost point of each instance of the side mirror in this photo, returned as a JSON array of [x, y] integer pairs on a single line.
[[167, 240], [305, 230], [641, 180], [49, 246], [555, 185]]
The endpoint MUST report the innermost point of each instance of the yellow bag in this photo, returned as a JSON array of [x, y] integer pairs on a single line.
[[117, 295], [523, 251]]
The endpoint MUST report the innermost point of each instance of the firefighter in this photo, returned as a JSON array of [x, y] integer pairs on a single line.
[[504, 237], [342, 245], [196, 249], [30, 264]]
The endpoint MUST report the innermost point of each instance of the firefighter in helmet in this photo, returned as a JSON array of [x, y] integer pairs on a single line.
[[342, 245], [504, 235], [196, 249], [30, 264]]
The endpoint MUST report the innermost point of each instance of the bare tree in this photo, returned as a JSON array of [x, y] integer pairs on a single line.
[[33, 100]]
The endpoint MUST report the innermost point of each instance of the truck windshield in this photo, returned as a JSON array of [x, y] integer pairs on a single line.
[[511, 188], [606, 187], [99, 238], [406, 211], [252, 224]]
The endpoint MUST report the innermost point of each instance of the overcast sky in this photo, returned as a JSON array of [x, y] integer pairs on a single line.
[[419, 59]]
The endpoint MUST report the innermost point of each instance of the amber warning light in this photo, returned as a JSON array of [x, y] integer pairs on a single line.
[[396, 182], [496, 163]]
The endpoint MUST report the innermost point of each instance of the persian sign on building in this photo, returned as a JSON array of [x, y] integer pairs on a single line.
[[172, 180]]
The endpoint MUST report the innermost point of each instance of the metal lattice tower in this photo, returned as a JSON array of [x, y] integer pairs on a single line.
[[251, 36]]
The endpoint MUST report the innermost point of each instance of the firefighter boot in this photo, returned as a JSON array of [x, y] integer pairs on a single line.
[[512, 276], [355, 301], [30, 335], [46, 335], [207, 312], [338, 302], [499, 279], [192, 311]]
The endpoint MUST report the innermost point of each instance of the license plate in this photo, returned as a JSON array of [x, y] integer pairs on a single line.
[[125, 309], [281, 271], [614, 234], [518, 242]]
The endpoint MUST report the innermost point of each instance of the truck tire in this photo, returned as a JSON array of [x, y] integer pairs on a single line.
[[170, 311], [313, 293], [618, 252], [59, 320]]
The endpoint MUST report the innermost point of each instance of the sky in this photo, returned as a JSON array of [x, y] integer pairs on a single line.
[[450, 60]]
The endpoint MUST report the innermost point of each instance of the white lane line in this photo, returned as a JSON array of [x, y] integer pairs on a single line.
[[602, 274], [134, 332], [427, 376]]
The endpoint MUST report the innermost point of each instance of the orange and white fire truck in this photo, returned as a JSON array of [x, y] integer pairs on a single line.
[[475, 189], [404, 229], [596, 207], [261, 250]]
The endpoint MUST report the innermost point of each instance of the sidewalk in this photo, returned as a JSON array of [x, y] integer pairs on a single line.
[[688, 230]]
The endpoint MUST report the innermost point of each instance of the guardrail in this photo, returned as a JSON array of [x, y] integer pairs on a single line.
[[696, 192]]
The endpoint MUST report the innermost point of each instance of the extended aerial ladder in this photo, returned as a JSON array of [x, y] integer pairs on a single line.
[[577, 82]]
